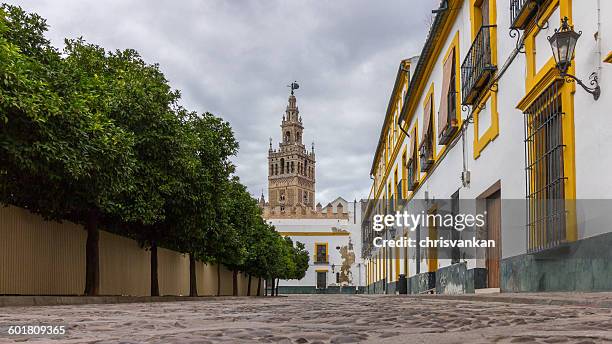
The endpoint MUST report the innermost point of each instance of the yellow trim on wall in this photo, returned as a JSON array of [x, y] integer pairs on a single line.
[[404, 163], [608, 58], [314, 233], [391, 147], [322, 270], [396, 197], [481, 141], [533, 75], [417, 162], [413, 104], [434, 137], [569, 155], [316, 245], [455, 45]]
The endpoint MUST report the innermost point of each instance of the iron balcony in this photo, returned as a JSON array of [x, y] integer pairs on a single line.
[[521, 12], [477, 68]]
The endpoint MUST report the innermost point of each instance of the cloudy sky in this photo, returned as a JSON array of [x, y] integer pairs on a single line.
[[235, 58]]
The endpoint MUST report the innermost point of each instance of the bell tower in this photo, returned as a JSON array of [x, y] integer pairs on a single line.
[[291, 167]]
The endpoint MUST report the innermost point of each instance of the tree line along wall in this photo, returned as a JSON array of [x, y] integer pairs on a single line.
[[39, 257]]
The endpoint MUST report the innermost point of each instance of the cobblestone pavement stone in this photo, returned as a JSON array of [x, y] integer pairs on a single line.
[[319, 319]]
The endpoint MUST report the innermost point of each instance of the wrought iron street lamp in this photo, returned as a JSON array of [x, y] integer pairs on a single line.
[[563, 44]]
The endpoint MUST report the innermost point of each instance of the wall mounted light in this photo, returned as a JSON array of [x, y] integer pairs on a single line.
[[563, 44]]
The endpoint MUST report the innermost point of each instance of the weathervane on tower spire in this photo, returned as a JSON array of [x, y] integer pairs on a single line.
[[294, 86]]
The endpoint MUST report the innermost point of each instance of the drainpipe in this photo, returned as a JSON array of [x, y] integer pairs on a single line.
[[599, 48]]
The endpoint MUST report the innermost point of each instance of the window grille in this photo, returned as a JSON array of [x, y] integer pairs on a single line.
[[545, 180]]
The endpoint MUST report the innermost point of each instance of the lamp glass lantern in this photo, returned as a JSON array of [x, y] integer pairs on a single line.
[[563, 44]]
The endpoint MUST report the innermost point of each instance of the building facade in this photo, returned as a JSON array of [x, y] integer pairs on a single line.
[[331, 234], [484, 115]]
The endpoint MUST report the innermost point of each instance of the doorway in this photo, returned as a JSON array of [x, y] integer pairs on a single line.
[[321, 279], [493, 206]]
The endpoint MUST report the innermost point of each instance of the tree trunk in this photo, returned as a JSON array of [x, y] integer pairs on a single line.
[[249, 286], [277, 283], [272, 288], [218, 279], [259, 287], [92, 256], [193, 281], [235, 282], [154, 275]]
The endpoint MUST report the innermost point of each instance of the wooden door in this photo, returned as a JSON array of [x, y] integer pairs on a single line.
[[494, 233], [432, 252], [321, 279]]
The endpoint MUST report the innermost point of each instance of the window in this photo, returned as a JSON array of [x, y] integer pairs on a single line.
[[282, 163], [447, 117], [546, 215], [480, 62], [321, 255], [404, 190], [398, 190], [413, 175], [426, 148]]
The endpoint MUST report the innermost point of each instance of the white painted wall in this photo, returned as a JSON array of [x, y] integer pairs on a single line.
[[351, 225], [504, 158]]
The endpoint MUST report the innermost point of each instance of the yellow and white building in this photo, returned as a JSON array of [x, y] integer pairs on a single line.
[[489, 118]]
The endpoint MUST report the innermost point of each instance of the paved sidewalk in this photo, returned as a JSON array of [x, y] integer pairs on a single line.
[[600, 300], [320, 319]]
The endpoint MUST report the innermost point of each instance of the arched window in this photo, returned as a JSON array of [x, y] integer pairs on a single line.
[[287, 136], [275, 169], [292, 167], [282, 162], [305, 167]]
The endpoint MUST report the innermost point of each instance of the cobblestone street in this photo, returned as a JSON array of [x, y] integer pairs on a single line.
[[319, 319]]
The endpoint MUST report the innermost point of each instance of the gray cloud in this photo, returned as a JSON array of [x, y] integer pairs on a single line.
[[234, 58]]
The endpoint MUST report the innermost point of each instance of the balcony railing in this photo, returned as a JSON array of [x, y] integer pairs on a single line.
[[477, 68], [412, 176], [426, 155], [321, 260], [399, 191], [521, 11]]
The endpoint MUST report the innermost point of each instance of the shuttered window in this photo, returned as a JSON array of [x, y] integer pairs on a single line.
[[426, 148], [412, 164], [447, 117]]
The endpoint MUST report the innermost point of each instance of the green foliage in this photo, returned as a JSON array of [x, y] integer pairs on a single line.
[[92, 132], [64, 157]]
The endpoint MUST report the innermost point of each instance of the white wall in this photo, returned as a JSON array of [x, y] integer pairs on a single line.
[[504, 158], [352, 226]]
